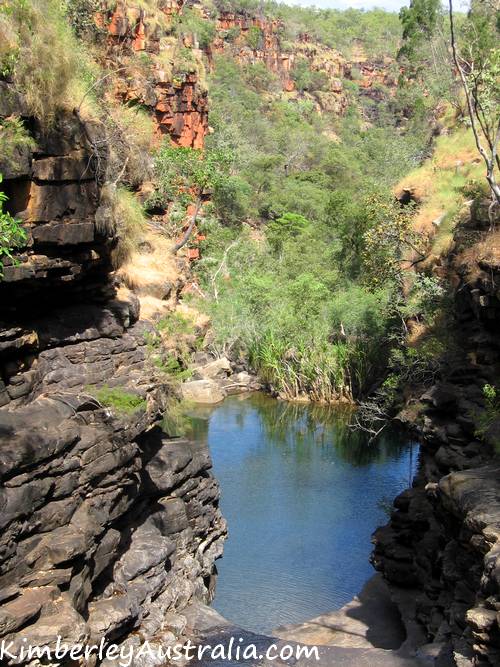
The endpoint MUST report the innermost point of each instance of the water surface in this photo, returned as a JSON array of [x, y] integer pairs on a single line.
[[302, 494]]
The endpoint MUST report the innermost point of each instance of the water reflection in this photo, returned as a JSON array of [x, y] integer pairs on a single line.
[[302, 493]]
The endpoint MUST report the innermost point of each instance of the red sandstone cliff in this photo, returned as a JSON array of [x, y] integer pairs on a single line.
[[177, 100]]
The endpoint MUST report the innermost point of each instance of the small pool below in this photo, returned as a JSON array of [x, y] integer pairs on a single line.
[[302, 494]]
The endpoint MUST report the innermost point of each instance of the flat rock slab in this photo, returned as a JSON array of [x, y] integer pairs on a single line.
[[370, 620], [207, 627]]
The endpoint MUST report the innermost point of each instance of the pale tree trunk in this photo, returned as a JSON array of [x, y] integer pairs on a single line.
[[189, 230], [490, 160]]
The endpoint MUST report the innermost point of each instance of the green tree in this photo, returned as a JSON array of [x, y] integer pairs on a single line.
[[388, 241], [12, 235], [419, 22], [192, 22], [185, 175], [289, 225], [255, 38]]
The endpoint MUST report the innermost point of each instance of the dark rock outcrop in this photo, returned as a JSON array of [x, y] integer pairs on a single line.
[[443, 537], [109, 528]]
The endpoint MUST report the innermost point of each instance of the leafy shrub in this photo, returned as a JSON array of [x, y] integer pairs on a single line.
[[231, 199], [13, 136], [307, 79], [191, 22], [490, 415], [81, 15], [12, 235], [168, 349], [288, 226], [247, 7], [425, 299], [258, 77], [174, 368], [175, 324], [475, 189], [255, 38], [119, 399], [388, 240], [232, 34], [419, 365], [184, 62]]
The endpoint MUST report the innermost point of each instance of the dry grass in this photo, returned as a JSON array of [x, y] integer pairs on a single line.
[[121, 215], [199, 320], [153, 308], [130, 133], [151, 267], [151, 271], [437, 186], [48, 64]]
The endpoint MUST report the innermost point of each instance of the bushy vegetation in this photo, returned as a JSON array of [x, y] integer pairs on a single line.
[[304, 269], [82, 17], [121, 215], [190, 22], [489, 417], [183, 177], [175, 324], [302, 264], [14, 137], [120, 400], [12, 235], [169, 349], [375, 30]]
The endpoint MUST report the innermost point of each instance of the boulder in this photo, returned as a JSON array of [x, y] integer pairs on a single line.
[[219, 368], [19, 611], [203, 391], [148, 548]]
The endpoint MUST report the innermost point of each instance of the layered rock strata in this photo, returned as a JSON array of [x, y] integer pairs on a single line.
[[443, 540], [109, 527]]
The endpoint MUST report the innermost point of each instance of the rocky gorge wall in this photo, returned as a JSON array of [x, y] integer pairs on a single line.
[[442, 543], [176, 100], [109, 527]]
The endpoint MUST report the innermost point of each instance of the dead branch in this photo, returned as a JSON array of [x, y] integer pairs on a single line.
[[489, 161], [189, 230]]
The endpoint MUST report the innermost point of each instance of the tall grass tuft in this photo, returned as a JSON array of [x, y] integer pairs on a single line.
[[41, 54], [320, 371]]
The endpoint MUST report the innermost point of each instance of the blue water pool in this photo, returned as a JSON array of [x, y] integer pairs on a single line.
[[302, 494]]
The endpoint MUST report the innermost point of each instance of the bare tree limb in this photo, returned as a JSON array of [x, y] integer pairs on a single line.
[[221, 265], [489, 161], [189, 230]]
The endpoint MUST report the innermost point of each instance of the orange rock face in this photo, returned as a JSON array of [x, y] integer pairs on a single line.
[[179, 107], [182, 112], [271, 54], [269, 51], [371, 73]]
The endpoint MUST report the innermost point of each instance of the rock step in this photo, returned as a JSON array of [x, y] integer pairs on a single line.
[[370, 620], [207, 627]]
